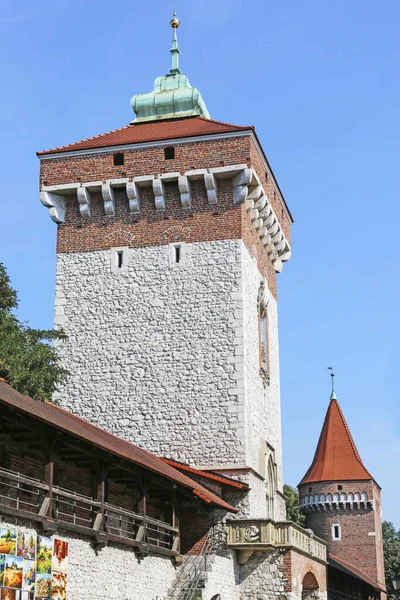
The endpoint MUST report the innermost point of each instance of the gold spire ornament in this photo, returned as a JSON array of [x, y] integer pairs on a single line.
[[175, 22]]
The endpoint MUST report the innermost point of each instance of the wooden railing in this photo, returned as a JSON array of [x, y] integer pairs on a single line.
[[22, 496], [259, 534]]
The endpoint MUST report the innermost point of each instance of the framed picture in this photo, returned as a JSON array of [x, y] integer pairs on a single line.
[[26, 545], [44, 554], [13, 572], [59, 586], [43, 585], [29, 576], [60, 556], [8, 541]]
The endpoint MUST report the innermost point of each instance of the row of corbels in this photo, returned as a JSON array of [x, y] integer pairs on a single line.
[[263, 217], [324, 506]]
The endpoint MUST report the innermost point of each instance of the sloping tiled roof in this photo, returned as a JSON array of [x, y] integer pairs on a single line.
[[336, 457], [338, 563], [63, 420], [151, 132], [207, 474]]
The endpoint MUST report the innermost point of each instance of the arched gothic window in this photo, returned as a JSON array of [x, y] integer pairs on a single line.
[[271, 488], [263, 332]]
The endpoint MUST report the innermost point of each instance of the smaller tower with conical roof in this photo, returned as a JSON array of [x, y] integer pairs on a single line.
[[342, 501]]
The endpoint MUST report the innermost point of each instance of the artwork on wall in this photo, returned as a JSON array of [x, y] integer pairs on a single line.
[[59, 586], [60, 556], [26, 545], [13, 572], [8, 541], [32, 567]]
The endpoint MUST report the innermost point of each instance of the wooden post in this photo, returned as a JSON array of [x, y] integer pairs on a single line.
[[101, 497], [47, 506], [141, 534], [176, 545]]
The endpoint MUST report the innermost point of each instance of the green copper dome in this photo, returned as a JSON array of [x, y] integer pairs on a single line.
[[173, 96]]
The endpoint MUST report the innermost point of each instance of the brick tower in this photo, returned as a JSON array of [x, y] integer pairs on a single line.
[[170, 232], [342, 501]]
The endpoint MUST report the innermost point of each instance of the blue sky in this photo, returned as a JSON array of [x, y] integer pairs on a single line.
[[320, 82]]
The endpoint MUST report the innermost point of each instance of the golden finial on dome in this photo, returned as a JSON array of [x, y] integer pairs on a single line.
[[175, 22]]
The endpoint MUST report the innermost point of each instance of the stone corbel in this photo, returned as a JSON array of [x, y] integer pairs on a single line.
[[159, 194], [108, 198], [240, 185], [211, 187], [84, 199], [133, 194], [56, 205], [185, 191]]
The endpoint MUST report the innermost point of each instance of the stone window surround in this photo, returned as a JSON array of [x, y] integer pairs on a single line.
[[339, 531]]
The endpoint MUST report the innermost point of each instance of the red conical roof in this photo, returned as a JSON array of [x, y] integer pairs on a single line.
[[336, 457]]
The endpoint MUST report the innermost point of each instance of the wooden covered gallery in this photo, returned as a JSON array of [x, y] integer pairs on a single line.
[[62, 472]]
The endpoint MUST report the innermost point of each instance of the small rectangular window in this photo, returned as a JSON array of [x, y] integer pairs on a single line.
[[177, 254], [169, 153], [120, 259], [339, 487], [336, 533], [119, 159]]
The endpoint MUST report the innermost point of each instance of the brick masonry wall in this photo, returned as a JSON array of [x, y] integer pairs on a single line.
[[361, 530], [299, 570]]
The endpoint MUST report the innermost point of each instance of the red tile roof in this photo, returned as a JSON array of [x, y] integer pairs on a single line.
[[151, 132], [336, 457], [338, 563], [207, 474], [63, 420]]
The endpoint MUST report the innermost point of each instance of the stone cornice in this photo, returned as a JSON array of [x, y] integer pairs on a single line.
[[247, 189]]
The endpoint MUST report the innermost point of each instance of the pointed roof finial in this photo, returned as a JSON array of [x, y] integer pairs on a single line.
[[333, 395], [175, 48]]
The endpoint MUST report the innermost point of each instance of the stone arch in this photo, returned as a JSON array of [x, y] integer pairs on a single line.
[[351, 497], [357, 497], [343, 497], [329, 498], [336, 498], [364, 497], [316, 498], [310, 587], [323, 498]]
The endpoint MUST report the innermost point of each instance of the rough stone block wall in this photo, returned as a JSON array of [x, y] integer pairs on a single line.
[[263, 416], [114, 572], [261, 577], [222, 577], [361, 530], [153, 350]]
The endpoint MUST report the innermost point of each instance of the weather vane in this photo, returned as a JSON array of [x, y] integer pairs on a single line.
[[333, 395]]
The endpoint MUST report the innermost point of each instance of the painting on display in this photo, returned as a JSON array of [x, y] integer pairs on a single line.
[[8, 541], [29, 576], [32, 567], [43, 585], [13, 572], [60, 556], [44, 554], [2, 563], [59, 586], [26, 545]]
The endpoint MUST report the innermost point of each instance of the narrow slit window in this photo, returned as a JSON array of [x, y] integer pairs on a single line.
[[177, 254], [169, 153], [120, 259], [336, 533], [119, 159]]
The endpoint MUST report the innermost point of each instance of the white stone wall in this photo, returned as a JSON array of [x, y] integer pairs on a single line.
[[261, 579], [114, 572], [166, 355], [263, 415], [222, 578]]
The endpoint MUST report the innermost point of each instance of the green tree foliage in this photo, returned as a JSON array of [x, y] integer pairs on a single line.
[[293, 512], [28, 360], [391, 551]]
